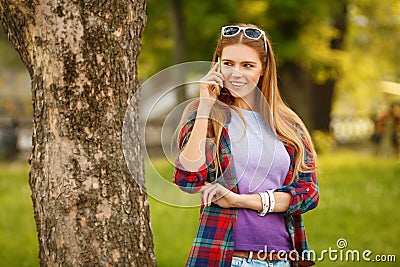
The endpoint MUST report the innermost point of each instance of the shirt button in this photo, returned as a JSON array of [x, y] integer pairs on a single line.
[[307, 189]]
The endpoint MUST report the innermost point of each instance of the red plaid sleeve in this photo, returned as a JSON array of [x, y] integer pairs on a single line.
[[186, 180], [303, 188]]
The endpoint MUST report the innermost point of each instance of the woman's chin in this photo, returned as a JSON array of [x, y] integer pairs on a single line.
[[240, 92]]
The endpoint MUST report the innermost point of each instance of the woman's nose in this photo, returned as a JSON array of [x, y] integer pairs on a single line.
[[236, 73]]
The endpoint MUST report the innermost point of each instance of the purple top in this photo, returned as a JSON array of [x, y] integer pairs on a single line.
[[261, 163]]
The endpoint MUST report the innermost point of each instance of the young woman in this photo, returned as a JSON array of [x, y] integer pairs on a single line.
[[251, 158]]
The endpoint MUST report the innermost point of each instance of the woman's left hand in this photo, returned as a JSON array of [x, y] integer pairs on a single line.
[[219, 195]]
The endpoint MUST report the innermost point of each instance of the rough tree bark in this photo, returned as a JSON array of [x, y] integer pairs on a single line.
[[82, 59]]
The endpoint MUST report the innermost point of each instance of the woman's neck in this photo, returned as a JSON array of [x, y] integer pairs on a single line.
[[247, 102]]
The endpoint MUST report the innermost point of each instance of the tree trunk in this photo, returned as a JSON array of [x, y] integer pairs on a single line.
[[312, 101], [296, 84], [82, 59], [323, 93], [322, 97], [180, 41]]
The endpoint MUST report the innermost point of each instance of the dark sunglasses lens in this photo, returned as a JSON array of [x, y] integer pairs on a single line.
[[253, 33], [231, 31]]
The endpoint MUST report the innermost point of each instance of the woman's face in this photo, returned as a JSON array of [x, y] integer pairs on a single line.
[[242, 68]]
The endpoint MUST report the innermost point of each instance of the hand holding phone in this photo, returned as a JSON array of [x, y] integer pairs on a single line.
[[212, 83]]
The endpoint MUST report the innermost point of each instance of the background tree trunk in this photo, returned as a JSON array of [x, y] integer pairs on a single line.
[[296, 84], [82, 59], [310, 99], [179, 50], [323, 93]]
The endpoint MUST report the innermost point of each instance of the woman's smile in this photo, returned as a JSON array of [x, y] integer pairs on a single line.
[[238, 85]]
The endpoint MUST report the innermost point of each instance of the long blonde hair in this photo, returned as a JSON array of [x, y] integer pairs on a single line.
[[289, 128]]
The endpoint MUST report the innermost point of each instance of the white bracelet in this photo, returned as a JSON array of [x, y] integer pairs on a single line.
[[271, 200], [265, 203]]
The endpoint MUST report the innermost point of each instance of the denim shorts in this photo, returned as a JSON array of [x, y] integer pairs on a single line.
[[243, 262]]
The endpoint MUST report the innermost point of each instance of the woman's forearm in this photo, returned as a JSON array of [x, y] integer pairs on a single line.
[[253, 201], [192, 156]]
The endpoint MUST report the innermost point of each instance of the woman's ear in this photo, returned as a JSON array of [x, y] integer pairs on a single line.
[[264, 67]]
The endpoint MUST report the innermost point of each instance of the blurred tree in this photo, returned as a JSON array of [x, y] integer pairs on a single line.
[[286, 21], [9, 57], [157, 39], [179, 51], [321, 46], [15, 99], [180, 31], [204, 21], [372, 55], [15, 92], [190, 36], [308, 35], [81, 56]]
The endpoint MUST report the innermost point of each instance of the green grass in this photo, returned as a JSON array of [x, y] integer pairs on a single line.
[[359, 198], [18, 245]]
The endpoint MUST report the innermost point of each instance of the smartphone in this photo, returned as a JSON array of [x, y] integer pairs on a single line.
[[219, 70]]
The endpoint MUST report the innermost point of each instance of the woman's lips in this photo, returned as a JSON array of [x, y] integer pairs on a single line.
[[237, 84]]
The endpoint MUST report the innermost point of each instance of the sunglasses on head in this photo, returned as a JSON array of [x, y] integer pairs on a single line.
[[249, 32]]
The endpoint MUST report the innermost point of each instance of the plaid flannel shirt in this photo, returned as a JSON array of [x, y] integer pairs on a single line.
[[213, 244]]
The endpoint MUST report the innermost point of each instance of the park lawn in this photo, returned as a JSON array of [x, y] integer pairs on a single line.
[[359, 196], [18, 242]]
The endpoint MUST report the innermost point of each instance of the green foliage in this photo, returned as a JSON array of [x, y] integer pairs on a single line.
[[358, 202], [371, 55], [202, 23], [302, 33], [204, 28], [298, 28], [157, 40], [289, 21], [324, 141], [8, 55], [15, 97], [286, 21]]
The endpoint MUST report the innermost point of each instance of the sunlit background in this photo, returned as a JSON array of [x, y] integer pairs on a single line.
[[338, 64]]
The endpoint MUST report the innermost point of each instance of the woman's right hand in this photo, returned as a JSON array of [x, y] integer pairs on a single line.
[[193, 155], [210, 86]]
